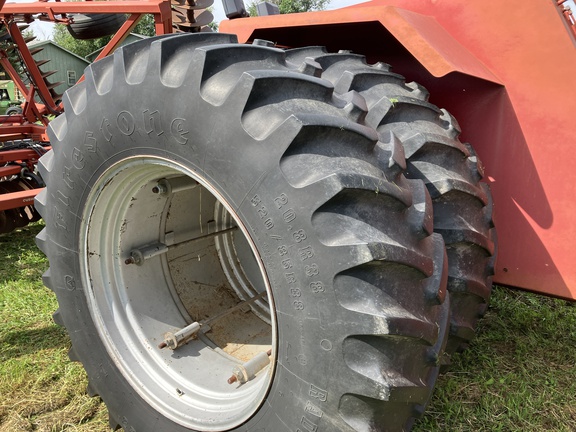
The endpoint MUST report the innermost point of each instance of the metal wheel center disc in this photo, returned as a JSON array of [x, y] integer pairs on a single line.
[[163, 251]]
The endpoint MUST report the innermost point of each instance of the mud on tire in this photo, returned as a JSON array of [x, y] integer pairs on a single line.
[[189, 174]]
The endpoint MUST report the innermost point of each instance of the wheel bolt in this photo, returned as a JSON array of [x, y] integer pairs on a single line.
[[247, 371]]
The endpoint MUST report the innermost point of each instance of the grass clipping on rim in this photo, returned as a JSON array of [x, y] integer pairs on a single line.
[[519, 373]]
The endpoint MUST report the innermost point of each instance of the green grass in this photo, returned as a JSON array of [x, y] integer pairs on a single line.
[[40, 389], [518, 375]]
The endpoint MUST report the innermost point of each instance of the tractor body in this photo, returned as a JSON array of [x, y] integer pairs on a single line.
[[327, 200], [9, 97]]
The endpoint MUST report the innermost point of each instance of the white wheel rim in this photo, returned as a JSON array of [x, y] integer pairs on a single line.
[[134, 305]]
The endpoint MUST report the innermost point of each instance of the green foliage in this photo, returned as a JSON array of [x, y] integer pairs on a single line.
[[28, 33], [82, 48], [292, 6], [213, 25], [145, 26]]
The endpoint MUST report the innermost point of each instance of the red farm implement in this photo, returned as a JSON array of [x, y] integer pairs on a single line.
[[23, 135]]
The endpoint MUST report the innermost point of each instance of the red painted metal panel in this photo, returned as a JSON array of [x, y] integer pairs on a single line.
[[17, 155], [506, 70], [18, 199], [9, 171], [21, 131], [422, 35], [22, 198]]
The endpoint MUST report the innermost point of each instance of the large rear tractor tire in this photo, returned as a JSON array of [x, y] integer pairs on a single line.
[[450, 169], [200, 185]]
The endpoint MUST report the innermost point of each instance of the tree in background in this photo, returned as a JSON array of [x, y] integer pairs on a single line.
[[145, 26], [79, 47], [293, 6]]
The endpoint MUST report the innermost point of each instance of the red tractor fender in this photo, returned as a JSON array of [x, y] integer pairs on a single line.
[[426, 40]]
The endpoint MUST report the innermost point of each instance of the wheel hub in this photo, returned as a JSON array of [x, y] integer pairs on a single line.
[[197, 269]]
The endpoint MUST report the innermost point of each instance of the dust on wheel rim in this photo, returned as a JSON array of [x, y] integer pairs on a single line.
[[132, 306]]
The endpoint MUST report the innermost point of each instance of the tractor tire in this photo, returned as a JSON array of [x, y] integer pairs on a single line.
[[450, 169], [198, 184], [93, 26], [14, 110]]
